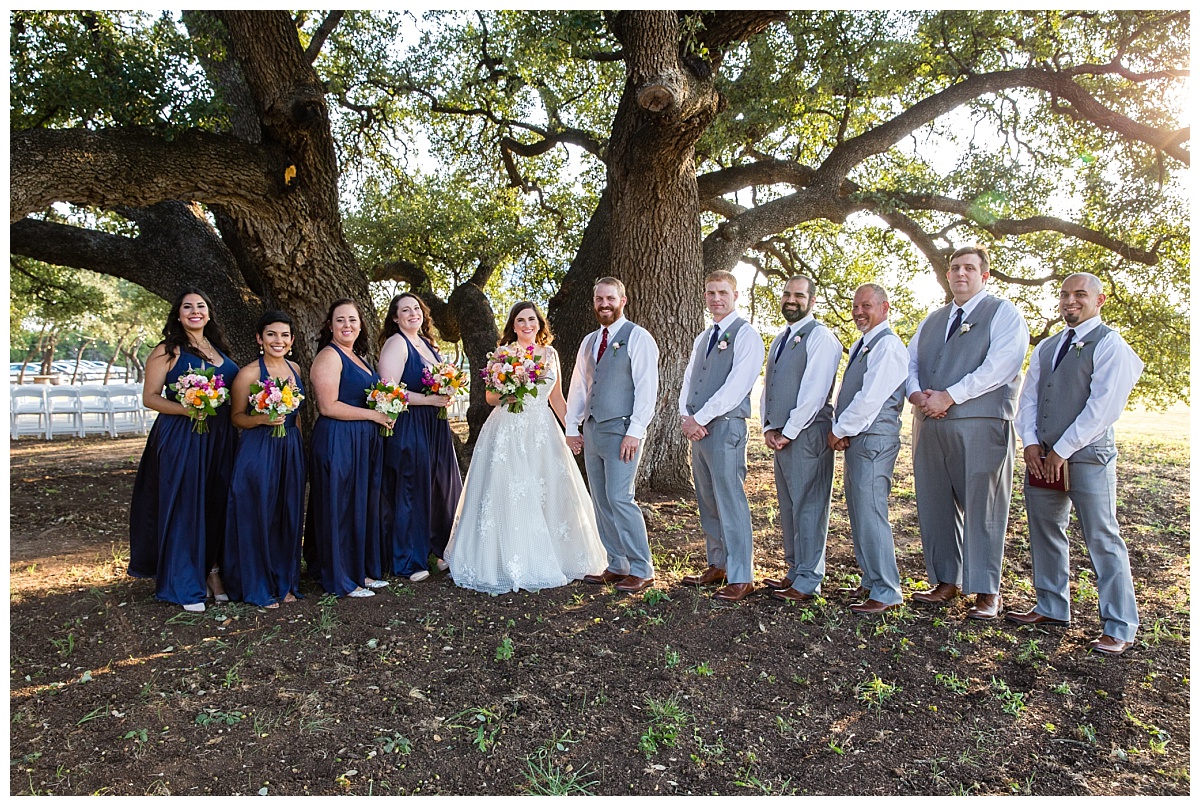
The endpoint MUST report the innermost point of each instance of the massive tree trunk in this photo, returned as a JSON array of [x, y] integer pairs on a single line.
[[271, 185], [646, 229]]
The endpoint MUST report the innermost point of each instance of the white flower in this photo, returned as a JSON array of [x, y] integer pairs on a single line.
[[966, 328], [798, 338], [1078, 345]]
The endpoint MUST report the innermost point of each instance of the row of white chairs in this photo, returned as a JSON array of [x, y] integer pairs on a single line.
[[47, 411]]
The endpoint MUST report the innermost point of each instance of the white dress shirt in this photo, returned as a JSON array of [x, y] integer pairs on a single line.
[[748, 353], [824, 355], [887, 368], [643, 357], [1008, 341], [1116, 368]]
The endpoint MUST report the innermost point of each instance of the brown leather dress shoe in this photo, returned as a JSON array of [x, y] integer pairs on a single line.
[[607, 578], [986, 607], [778, 584], [941, 594], [855, 593], [871, 607], [792, 595], [1107, 645], [735, 592], [710, 576], [1030, 617], [632, 584]]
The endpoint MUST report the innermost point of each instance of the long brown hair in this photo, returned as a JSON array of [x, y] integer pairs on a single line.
[[175, 337], [544, 336], [390, 328], [361, 344]]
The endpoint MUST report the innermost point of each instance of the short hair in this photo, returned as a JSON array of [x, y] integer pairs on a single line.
[[613, 281], [880, 291], [721, 276], [1093, 282], [973, 249], [812, 287]]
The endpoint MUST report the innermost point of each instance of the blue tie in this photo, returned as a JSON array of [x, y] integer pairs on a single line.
[[854, 354], [712, 340], [783, 337], [958, 317], [1062, 351]]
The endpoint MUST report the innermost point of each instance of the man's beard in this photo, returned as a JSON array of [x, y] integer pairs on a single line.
[[793, 315], [615, 313]]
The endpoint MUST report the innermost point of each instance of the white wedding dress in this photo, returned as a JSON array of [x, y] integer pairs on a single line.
[[525, 520]]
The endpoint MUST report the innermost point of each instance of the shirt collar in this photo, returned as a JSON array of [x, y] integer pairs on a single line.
[[870, 334], [614, 327], [970, 304], [1084, 328], [728, 321], [794, 326]]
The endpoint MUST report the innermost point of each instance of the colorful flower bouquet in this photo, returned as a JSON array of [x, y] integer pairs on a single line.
[[274, 397], [200, 391], [390, 398], [444, 378], [514, 372]]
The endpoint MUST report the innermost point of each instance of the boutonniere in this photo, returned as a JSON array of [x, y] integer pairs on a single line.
[[966, 328], [616, 345], [725, 341], [1078, 345], [862, 354], [796, 340]]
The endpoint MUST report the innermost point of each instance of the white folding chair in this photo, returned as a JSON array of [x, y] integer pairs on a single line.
[[126, 409], [63, 415], [458, 407], [26, 401], [95, 411]]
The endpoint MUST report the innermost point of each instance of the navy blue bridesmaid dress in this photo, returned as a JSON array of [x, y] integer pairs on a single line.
[[343, 535], [421, 480], [177, 515], [265, 518]]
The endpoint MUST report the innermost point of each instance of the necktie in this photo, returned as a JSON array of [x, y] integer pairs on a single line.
[[782, 341], [603, 345], [1062, 351], [958, 317], [712, 340], [854, 352]]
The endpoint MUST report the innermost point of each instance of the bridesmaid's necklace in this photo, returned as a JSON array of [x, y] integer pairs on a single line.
[[205, 352]]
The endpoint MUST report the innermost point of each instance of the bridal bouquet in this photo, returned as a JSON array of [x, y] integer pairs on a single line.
[[200, 391], [514, 372], [444, 378], [390, 398], [274, 397]]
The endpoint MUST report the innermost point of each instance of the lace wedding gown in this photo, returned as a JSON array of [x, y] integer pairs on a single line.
[[525, 520]]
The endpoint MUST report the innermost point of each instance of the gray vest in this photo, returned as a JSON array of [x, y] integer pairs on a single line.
[[709, 373], [1063, 392], [942, 363], [887, 422], [784, 378], [612, 377]]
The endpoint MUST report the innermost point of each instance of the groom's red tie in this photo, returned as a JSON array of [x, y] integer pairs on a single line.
[[603, 345]]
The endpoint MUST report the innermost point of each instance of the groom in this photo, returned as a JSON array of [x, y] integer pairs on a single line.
[[613, 393]]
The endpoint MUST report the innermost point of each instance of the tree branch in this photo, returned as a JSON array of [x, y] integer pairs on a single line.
[[321, 34], [78, 166], [769, 172]]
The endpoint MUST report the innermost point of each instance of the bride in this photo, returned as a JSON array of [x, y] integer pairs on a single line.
[[525, 521]]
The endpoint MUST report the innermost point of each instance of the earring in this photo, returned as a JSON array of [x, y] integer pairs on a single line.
[[260, 350], [289, 352]]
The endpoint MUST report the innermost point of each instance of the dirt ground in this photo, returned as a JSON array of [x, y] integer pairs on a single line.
[[431, 689]]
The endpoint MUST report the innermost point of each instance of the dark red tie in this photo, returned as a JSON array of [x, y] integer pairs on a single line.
[[603, 345]]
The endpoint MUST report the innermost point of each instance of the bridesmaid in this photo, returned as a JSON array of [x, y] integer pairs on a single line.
[[421, 477], [343, 541], [266, 494], [177, 516]]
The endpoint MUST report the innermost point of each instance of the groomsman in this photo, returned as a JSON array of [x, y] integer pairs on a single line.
[[1076, 388], [714, 403], [797, 413], [964, 373], [613, 393], [866, 426]]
